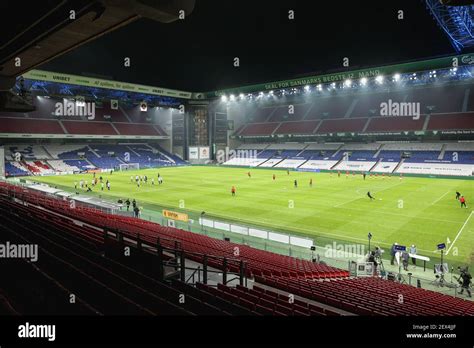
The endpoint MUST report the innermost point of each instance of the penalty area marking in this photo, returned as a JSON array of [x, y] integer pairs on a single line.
[[459, 233]]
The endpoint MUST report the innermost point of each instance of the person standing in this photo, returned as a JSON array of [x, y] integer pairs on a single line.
[[127, 202], [393, 252], [463, 202], [405, 258], [232, 190], [465, 280], [413, 252]]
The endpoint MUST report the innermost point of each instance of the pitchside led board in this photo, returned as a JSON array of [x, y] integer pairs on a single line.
[[199, 153]]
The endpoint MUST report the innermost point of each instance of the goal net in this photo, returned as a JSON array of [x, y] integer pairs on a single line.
[[129, 166]]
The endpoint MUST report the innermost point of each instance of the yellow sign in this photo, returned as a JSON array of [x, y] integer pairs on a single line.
[[175, 216]]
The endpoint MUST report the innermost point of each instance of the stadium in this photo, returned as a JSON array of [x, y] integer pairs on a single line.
[[342, 193]]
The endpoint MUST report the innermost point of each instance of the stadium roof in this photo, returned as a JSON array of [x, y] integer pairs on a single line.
[[465, 60]]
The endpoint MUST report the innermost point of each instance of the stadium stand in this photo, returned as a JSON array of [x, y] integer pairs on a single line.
[[342, 125], [50, 159], [75, 249], [412, 158], [130, 121], [361, 113]]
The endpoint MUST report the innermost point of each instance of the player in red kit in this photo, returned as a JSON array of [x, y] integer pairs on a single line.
[[232, 190]]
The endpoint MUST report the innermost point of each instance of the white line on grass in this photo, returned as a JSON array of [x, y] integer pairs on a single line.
[[459, 233], [440, 198], [362, 196]]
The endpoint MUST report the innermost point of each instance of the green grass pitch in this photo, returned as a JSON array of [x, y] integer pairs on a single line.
[[413, 210]]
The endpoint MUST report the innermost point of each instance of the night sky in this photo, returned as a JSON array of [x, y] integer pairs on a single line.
[[196, 54]]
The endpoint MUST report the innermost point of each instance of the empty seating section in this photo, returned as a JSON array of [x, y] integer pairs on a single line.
[[333, 107], [360, 155], [263, 301], [258, 261], [390, 155], [26, 151], [80, 157], [39, 167], [466, 157], [66, 151], [445, 104], [137, 116], [440, 99], [375, 157], [259, 129], [136, 129], [286, 153], [98, 128], [62, 166], [373, 296], [74, 260], [261, 114], [33, 126], [319, 289], [368, 105], [266, 153], [451, 121], [15, 169], [303, 127], [342, 125], [107, 114], [423, 156], [45, 121], [402, 123], [289, 113]]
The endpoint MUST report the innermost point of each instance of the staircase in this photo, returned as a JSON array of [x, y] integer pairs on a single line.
[[378, 151], [337, 151], [443, 150], [375, 165], [398, 165]]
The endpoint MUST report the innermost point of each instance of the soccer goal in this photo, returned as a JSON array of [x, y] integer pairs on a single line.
[[129, 166]]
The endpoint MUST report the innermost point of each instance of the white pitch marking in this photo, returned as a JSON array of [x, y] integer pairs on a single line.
[[440, 198], [459, 233]]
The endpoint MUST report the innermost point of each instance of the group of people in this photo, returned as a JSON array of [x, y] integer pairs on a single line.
[[84, 185], [135, 208], [461, 199], [405, 255], [143, 179]]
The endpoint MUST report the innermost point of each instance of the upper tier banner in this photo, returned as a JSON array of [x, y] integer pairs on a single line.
[[42, 75]]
